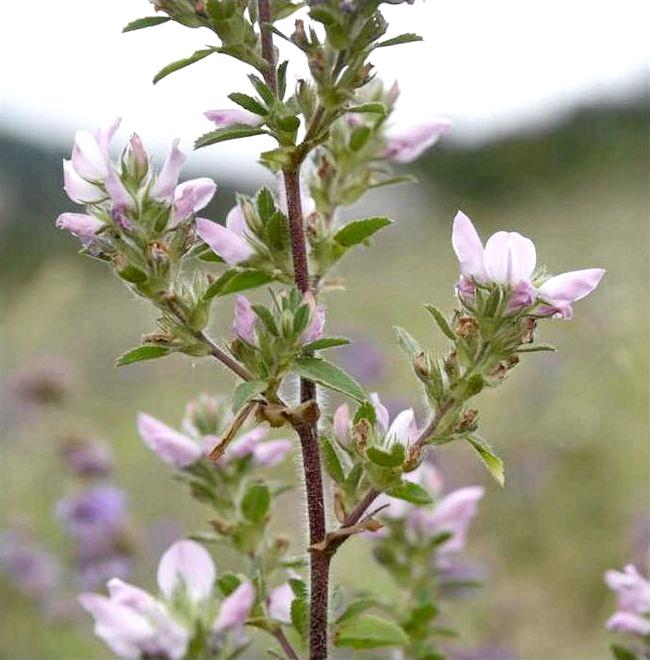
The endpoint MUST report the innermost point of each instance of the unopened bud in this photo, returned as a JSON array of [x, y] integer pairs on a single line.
[[467, 327], [221, 526], [528, 325], [451, 364], [158, 338], [422, 367], [467, 422], [360, 433], [136, 159], [299, 36]]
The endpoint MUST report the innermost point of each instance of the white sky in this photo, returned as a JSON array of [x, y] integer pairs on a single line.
[[490, 66]]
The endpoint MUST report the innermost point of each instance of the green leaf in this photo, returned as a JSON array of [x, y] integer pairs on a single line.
[[237, 279], [277, 230], [325, 342], [147, 21], [329, 375], [374, 108], [233, 132], [140, 354], [331, 460], [246, 391], [369, 632], [267, 319], [408, 343], [359, 137], [492, 462], [265, 204], [393, 458], [248, 103], [299, 587], [301, 319], [406, 38], [621, 653], [365, 411], [417, 625], [300, 616], [262, 89], [181, 64], [411, 492], [227, 583], [356, 607], [360, 230], [282, 79], [537, 348], [441, 321], [256, 502]]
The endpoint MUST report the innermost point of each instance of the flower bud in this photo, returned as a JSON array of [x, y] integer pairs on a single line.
[[422, 367], [451, 364], [468, 421], [136, 159], [528, 325], [467, 327]]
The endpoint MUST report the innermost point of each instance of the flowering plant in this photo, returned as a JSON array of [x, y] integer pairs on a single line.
[[333, 143]]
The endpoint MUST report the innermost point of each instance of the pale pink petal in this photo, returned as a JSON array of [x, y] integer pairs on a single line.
[[116, 190], [453, 514], [104, 135], [81, 225], [170, 445], [88, 159], [316, 326], [468, 247], [568, 287], [403, 428], [245, 320], [235, 609], [77, 188], [272, 453], [191, 196], [125, 632], [279, 603], [187, 565], [381, 411], [341, 424], [131, 596], [235, 220], [246, 444], [628, 622], [228, 117], [409, 144], [232, 248], [167, 180], [509, 257]]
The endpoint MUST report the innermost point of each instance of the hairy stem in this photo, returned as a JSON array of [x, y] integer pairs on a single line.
[[289, 651], [319, 562]]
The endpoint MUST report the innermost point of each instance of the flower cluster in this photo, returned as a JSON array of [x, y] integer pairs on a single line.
[[509, 260], [633, 606], [135, 624]]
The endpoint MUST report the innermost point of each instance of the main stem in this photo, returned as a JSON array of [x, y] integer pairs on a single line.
[[319, 561]]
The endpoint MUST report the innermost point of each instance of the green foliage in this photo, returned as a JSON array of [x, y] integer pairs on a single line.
[[359, 231], [233, 132], [411, 492], [330, 376], [491, 461], [246, 391], [140, 354], [368, 631], [181, 64], [147, 21], [256, 502], [237, 279]]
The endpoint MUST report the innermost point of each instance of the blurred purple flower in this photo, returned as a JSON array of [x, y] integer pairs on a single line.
[[316, 325], [362, 359], [244, 321], [34, 571], [44, 380], [235, 609], [171, 446], [87, 458], [96, 511], [186, 565], [279, 603]]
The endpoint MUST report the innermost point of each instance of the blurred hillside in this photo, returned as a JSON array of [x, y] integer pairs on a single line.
[[572, 427]]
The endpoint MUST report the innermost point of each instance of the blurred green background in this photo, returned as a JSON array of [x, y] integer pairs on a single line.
[[571, 426]]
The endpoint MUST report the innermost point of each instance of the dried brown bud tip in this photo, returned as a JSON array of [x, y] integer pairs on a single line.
[[467, 327], [221, 526], [528, 326]]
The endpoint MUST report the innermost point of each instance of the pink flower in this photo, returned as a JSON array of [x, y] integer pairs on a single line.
[[631, 588], [316, 325], [341, 423], [228, 117], [78, 189], [279, 603], [228, 242], [452, 514], [167, 179], [267, 454], [81, 225], [627, 622], [116, 190], [187, 565], [139, 153], [408, 145], [509, 259], [235, 609], [191, 196], [272, 453], [90, 155], [245, 320], [560, 292], [170, 445]]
